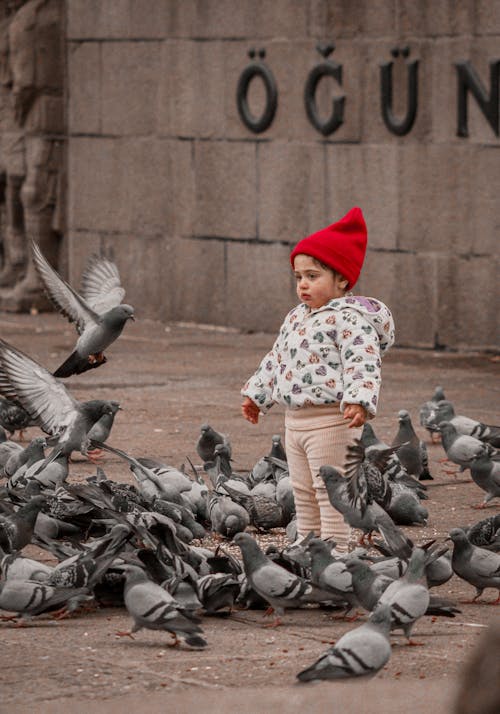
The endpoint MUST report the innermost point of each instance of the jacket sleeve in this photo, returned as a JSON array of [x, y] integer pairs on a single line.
[[261, 384], [359, 348]]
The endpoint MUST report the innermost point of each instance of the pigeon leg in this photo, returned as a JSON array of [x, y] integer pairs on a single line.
[[414, 643], [93, 455], [479, 505], [275, 623], [176, 641], [125, 633], [497, 601], [8, 618]]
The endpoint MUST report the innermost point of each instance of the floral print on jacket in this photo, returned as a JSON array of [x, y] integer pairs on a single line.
[[325, 356]]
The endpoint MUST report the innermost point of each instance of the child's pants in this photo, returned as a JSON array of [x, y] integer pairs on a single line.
[[317, 436]]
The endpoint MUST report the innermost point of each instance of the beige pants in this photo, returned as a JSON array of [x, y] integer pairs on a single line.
[[314, 437]]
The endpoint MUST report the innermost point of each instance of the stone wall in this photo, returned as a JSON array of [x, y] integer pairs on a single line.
[[200, 212]]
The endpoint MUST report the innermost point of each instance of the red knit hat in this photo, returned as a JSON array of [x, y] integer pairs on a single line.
[[341, 246]]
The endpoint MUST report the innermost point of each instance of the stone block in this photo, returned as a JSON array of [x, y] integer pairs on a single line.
[[435, 197], [350, 18], [487, 17], [260, 287], [406, 283], [84, 79], [159, 186], [291, 63], [432, 18], [248, 18], [129, 87], [365, 175], [197, 292], [79, 246], [377, 53], [140, 261], [468, 302], [291, 201], [97, 181], [484, 175], [444, 100], [97, 19], [192, 87], [225, 189]]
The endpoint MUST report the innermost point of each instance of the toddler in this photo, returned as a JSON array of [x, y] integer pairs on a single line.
[[324, 367]]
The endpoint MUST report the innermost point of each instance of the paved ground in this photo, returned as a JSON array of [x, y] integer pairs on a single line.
[[171, 379]]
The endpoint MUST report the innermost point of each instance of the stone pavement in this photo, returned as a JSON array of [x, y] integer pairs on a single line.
[[170, 379]]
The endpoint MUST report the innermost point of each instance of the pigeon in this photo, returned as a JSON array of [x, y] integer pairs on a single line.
[[15, 567], [153, 608], [20, 461], [87, 569], [427, 411], [445, 411], [264, 512], [411, 451], [207, 441], [227, 517], [217, 592], [277, 586], [367, 584], [373, 519], [13, 417], [329, 573], [98, 314], [405, 508], [486, 533], [463, 449], [478, 566], [394, 471], [16, 529], [408, 597], [277, 448], [486, 474], [29, 598], [361, 652], [48, 402], [364, 476]]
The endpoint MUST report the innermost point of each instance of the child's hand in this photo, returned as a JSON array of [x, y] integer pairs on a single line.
[[356, 413], [250, 411]]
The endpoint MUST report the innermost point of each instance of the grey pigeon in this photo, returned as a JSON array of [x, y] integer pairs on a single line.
[[153, 608], [427, 411], [408, 597], [367, 585], [218, 592], [264, 512], [485, 473], [373, 519], [361, 652], [277, 448], [445, 411], [486, 533], [329, 573], [227, 517], [20, 461], [16, 529], [410, 449], [208, 439], [405, 508], [98, 315], [47, 400], [478, 566], [463, 449], [13, 417], [277, 586], [15, 567], [29, 598]]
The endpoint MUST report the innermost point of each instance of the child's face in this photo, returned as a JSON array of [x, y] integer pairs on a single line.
[[316, 285]]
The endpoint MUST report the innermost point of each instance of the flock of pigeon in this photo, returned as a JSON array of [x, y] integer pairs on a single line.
[[143, 546]]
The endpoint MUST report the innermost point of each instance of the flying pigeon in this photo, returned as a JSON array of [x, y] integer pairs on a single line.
[[361, 652], [98, 313], [279, 587]]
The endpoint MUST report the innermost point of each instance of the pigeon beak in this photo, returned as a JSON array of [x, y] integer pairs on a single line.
[[132, 317]]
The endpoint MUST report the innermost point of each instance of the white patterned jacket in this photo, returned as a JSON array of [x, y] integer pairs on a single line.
[[324, 356]]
